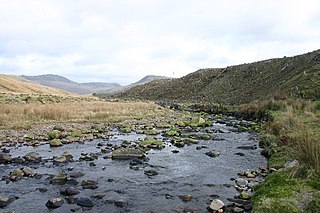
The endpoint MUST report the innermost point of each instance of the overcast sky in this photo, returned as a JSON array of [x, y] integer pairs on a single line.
[[124, 40]]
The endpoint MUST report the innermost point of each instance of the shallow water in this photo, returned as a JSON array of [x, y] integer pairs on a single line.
[[190, 171]]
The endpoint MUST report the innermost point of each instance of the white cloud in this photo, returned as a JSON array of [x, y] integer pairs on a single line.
[[122, 41]]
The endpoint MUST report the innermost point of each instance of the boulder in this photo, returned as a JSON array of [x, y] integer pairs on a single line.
[[216, 204], [54, 203], [241, 182], [70, 191], [120, 203], [85, 202], [59, 179], [127, 153], [33, 157], [28, 172], [213, 153], [89, 184], [56, 143], [5, 158], [5, 201]]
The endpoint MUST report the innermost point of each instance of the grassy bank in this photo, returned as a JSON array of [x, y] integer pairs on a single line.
[[23, 116], [292, 133]]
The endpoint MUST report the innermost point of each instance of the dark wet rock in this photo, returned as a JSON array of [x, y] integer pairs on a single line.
[[59, 179], [216, 204], [239, 153], [71, 200], [75, 209], [54, 203], [127, 153], [5, 201], [201, 147], [120, 203], [134, 167], [33, 157], [150, 172], [186, 198], [56, 143], [19, 160], [70, 191], [72, 181], [175, 151], [247, 147], [213, 153], [88, 156], [85, 202], [76, 174], [135, 162], [214, 196], [98, 196], [89, 184], [42, 190], [168, 196], [5, 158]]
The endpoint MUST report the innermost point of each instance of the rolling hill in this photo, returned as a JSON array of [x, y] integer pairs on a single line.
[[297, 76], [15, 84]]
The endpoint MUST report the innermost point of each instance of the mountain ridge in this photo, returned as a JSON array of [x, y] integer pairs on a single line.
[[66, 84]]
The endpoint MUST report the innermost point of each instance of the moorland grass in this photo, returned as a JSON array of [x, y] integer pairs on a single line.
[[15, 116]]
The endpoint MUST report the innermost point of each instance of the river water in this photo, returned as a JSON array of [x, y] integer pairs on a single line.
[[188, 172]]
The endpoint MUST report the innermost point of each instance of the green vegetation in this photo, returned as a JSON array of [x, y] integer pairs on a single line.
[[281, 77], [292, 132]]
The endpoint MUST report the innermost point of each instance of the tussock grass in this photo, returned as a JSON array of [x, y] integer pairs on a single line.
[[24, 115]]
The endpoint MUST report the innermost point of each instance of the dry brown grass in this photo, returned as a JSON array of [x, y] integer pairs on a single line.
[[24, 115], [14, 84]]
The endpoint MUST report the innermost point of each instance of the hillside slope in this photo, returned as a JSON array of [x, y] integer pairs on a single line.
[[15, 84], [288, 76]]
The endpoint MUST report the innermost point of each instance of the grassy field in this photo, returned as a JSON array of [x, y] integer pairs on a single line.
[[19, 116], [293, 133]]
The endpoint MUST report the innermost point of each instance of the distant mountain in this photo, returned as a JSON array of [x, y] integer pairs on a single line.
[[149, 78], [85, 88], [297, 76], [15, 84]]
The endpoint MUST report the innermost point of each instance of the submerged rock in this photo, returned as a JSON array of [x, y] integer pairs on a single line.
[[89, 184], [54, 203], [213, 153], [70, 191], [186, 198], [150, 172], [120, 203], [85, 202], [5, 201]]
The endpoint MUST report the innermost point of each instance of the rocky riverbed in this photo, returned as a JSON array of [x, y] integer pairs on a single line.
[[205, 165]]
